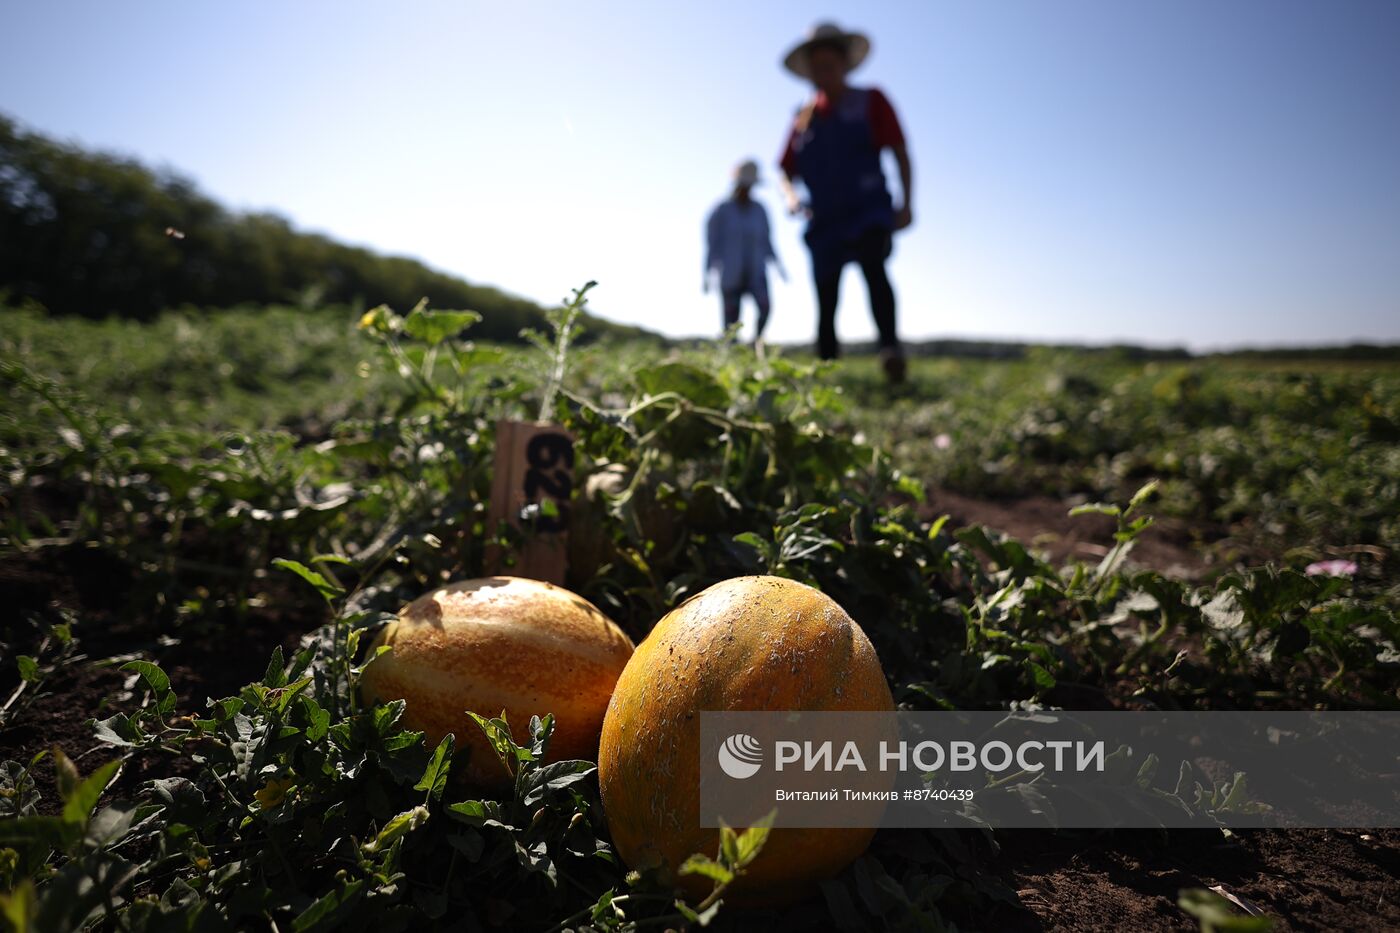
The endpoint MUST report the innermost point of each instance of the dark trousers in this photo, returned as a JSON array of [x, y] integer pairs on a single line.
[[869, 252], [730, 302]]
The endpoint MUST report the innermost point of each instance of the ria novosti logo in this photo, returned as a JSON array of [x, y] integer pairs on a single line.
[[740, 756]]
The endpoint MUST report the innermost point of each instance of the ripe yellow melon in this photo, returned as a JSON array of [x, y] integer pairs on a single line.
[[500, 643], [750, 643]]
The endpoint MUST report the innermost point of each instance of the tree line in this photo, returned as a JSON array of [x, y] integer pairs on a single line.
[[97, 234]]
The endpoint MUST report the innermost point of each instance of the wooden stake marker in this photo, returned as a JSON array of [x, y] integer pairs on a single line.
[[533, 463]]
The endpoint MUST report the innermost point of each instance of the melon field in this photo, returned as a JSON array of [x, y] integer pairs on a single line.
[[206, 520]]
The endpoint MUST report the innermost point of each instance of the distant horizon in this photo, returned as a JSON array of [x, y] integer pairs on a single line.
[[1083, 342], [1075, 183]]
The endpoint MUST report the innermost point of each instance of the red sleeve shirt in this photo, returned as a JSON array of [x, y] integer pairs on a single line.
[[884, 123], [884, 127], [788, 160]]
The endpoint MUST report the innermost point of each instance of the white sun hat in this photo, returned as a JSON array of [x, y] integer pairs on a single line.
[[746, 173], [857, 47]]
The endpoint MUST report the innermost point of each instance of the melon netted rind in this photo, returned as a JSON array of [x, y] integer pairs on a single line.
[[500, 643], [749, 643]]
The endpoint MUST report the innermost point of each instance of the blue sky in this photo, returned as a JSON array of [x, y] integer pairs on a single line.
[[1189, 172]]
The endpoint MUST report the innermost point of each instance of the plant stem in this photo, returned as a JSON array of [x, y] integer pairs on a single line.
[[563, 336]]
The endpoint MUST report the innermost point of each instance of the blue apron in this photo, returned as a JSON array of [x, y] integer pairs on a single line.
[[838, 162]]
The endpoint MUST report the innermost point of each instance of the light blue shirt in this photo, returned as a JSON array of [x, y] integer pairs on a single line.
[[739, 247]]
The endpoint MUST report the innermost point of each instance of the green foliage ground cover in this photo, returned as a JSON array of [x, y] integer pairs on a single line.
[[335, 483], [1298, 459]]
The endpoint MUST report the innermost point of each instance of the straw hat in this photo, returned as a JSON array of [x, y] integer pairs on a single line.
[[857, 47], [746, 173]]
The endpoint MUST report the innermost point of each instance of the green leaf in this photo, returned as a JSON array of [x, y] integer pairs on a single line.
[[117, 730], [66, 775], [352, 644], [497, 732], [753, 541], [433, 327], [328, 590], [182, 799], [275, 675], [48, 831], [728, 846], [154, 677], [1224, 612], [318, 719], [751, 840], [684, 379], [79, 802], [398, 827], [603, 908], [541, 729], [1237, 796], [28, 667], [1142, 495], [157, 681], [472, 812], [555, 776], [1184, 780], [20, 907], [110, 825], [1044, 680], [434, 778], [1113, 560], [19, 793], [478, 813], [1215, 914], [480, 356], [1147, 771], [330, 910], [911, 487], [704, 865], [286, 695]]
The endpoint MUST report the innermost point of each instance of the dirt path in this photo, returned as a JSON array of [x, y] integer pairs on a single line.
[[1168, 546], [1319, 879]]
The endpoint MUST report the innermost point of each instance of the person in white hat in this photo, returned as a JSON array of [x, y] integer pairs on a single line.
[[833, 148], [739, 248]]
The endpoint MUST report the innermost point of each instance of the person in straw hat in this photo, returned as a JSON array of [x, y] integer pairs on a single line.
[[739, 248], [833, 148]]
